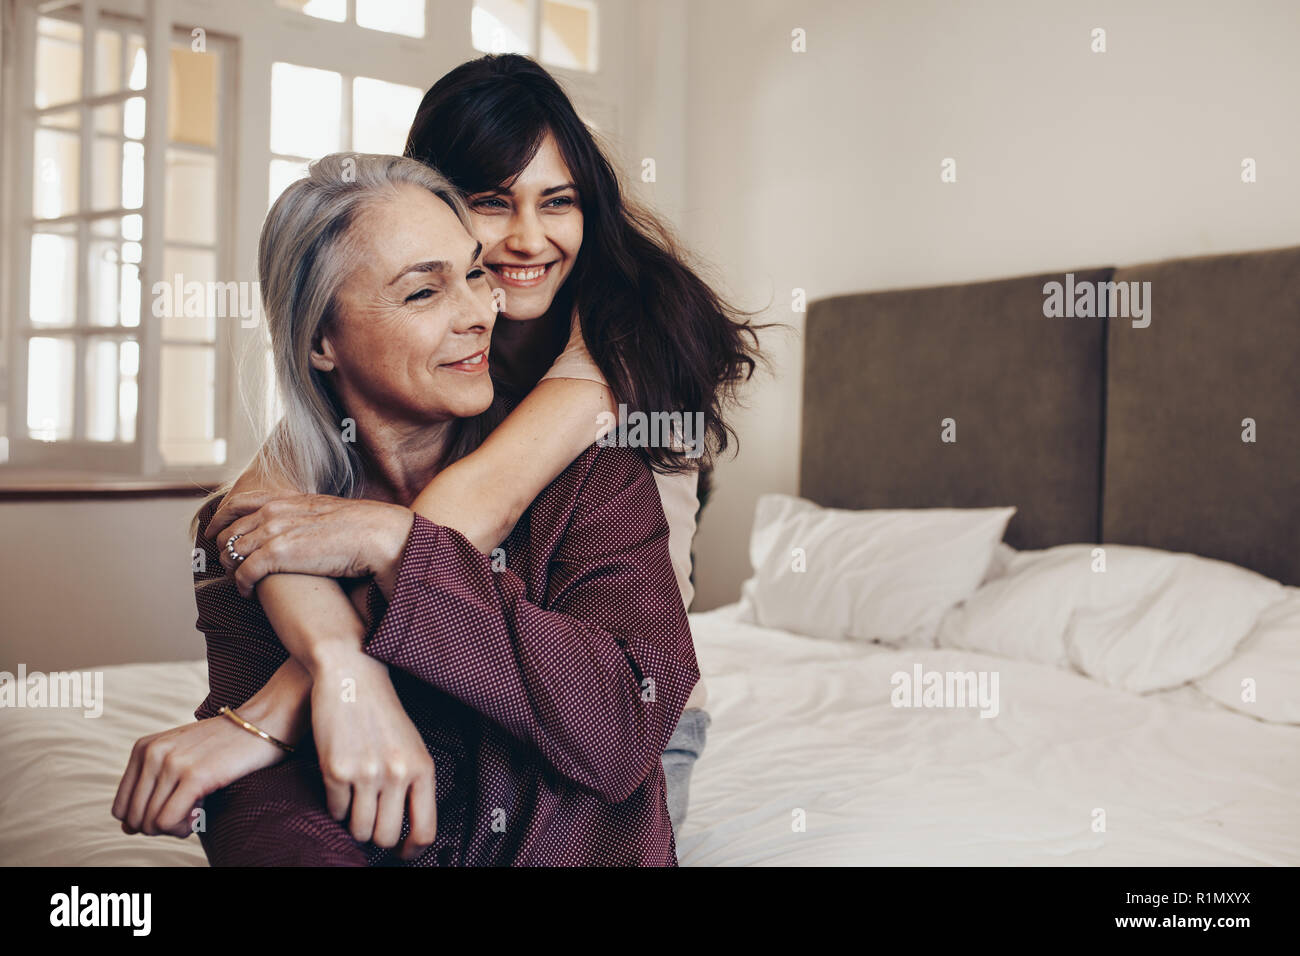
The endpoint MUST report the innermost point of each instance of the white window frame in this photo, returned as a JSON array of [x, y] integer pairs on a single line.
[[260, 33]]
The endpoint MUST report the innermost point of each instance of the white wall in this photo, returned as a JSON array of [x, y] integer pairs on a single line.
[[820, 170], [85, 583]]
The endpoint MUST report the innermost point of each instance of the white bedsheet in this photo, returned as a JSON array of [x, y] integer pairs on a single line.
[[61, 770], [803, 724]]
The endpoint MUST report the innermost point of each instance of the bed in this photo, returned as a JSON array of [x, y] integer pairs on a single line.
[[801, 724], [1118, 740], [806, 725]]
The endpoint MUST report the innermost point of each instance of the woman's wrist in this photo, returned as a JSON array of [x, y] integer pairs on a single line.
[[387, 545], [282, 707], [332, 654]]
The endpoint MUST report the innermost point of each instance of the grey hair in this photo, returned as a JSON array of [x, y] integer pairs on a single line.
[[303, 260]]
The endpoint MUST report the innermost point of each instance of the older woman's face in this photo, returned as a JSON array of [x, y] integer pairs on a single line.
[[414, 317]]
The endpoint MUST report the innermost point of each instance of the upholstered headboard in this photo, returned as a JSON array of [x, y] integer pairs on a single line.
[[1096, 430]]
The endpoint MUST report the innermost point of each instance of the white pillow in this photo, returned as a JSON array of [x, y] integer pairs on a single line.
[[1151, 620], [865, 575], [1269, 657], [1001, 560]]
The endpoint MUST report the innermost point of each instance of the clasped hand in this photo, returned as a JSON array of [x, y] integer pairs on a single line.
[[310, 534]]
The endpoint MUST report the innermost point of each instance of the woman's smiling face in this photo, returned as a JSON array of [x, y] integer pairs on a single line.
[[413, 319], [531, 232]]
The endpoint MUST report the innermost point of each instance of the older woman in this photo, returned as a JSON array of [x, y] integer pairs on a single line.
[[524, 698]]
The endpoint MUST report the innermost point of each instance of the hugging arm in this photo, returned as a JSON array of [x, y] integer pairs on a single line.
[[597, 679], [481, 496], [311, 618], [486, 492]]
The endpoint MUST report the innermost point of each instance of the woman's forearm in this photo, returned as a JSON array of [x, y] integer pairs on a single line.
[[484, 494], [313, 617]]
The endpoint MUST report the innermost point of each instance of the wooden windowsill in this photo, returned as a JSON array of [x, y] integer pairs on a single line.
[[70, 486]]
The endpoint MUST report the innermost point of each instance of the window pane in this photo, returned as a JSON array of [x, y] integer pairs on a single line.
[[285, 172], [128, 392], [382, 114], [50, 388], [105, 273], [569, 34], [130, 304], [192, 108], [191, 211], [392, 16], [106, 174], [191, 318], [58, 62], [102, 388], [137, 63], [108, 61], [69, 30], [108, 119], [53, 292], [133, 120], [58, 161], [305, 105], [336, 10], [502, 26], [132, 175], [186, 415]]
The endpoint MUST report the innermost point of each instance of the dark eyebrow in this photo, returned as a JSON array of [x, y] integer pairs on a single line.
[[504, 191], [435, 265]]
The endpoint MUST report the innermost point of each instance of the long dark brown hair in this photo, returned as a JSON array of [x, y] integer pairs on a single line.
[[664, 340]]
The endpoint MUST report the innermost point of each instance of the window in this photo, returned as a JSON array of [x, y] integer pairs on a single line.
[[79, 354], [315, 112], [403, 17], [132, 196], [563, 30]]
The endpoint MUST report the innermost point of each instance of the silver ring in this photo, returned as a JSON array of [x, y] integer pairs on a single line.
[[230, 549]]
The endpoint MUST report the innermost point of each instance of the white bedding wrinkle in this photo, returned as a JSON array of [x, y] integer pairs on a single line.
[[1262, 679], [922, 688], [83, 690]]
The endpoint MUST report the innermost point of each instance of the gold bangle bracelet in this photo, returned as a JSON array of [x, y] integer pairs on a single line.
[[229, 712]]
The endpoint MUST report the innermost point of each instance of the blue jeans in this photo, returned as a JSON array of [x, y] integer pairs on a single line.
[[679, 760]]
